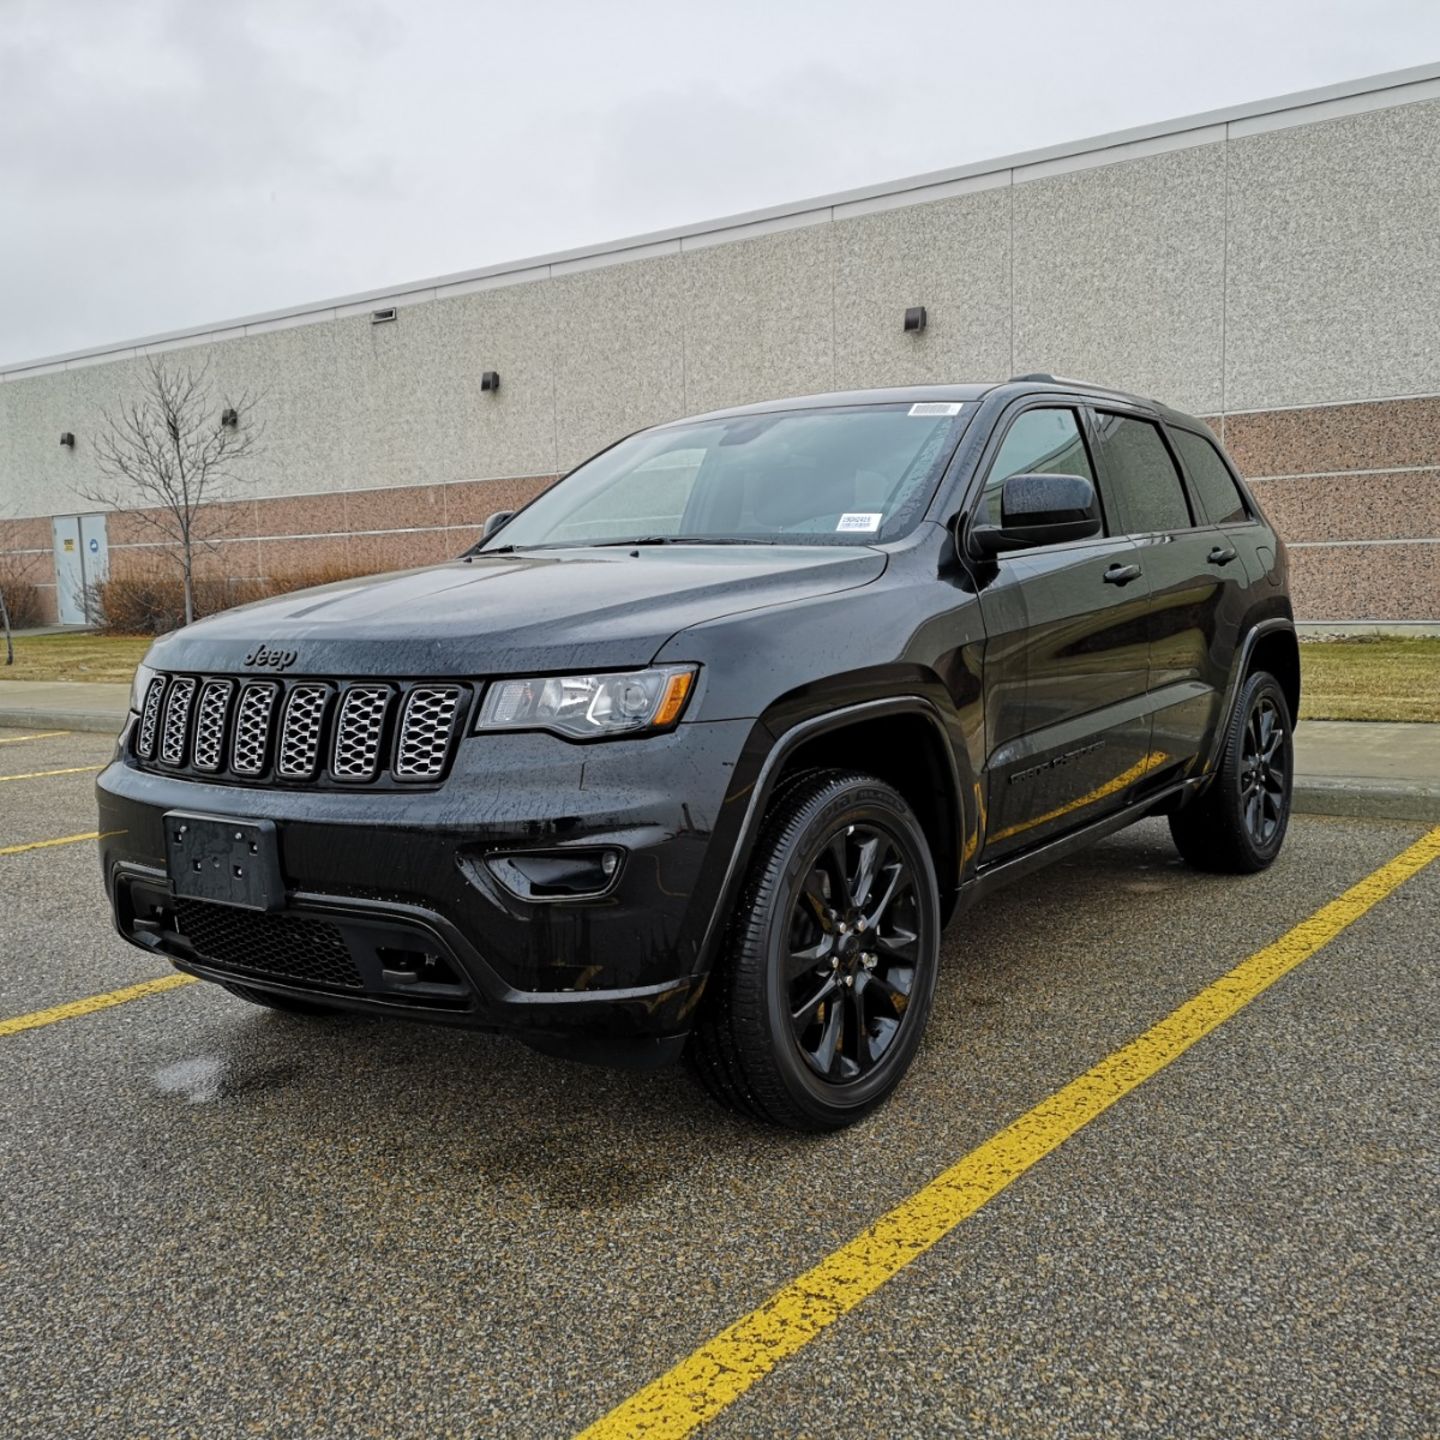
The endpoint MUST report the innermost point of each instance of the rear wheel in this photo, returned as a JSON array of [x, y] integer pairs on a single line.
[[1238, 825], [285, 1003], [818, 1004]]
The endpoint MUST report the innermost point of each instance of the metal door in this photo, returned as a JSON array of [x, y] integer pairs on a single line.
[[82, 560]]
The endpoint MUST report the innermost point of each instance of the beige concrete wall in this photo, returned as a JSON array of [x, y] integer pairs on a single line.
[[1289, 261]]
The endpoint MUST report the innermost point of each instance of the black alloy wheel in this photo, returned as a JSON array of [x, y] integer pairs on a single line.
[[816, 1008], [1265, 770], [1238, 824], [853, 953]]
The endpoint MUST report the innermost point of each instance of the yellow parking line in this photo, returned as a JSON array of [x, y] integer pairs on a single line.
[[724, 1368], [63, 840], [43, 735], [44, 774], [91, 1003]]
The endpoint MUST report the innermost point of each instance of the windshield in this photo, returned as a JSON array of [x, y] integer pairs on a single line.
[[844, 475]]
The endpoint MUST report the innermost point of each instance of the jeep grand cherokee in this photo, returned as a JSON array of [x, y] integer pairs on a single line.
[[702, 748]]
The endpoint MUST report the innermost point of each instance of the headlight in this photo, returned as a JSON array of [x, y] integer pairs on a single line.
[[144, 674], [589, 707]]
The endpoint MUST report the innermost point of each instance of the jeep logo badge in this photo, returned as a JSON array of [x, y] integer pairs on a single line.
[[270, 659]]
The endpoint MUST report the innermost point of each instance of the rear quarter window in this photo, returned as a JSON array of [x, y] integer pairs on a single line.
[[1210, 478]]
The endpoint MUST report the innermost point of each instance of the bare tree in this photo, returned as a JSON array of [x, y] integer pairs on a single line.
[[15, 575], [174, 451]]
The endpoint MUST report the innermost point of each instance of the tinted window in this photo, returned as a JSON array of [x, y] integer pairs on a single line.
[[1211, 477], [1151, 492], [1040, 442]]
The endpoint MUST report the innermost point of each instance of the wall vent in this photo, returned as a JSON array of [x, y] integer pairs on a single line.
[[381, 317]]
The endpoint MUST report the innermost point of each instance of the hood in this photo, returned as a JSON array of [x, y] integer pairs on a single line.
[[508, 614]]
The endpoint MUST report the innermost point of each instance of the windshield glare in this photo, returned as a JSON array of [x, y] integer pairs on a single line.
[[844, 475]]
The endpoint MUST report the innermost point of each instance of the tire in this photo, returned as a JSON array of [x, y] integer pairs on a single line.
[[1238, 825], [842, 887], [284, 1003]]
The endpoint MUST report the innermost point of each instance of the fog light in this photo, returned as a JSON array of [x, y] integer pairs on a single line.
[[579, 874]]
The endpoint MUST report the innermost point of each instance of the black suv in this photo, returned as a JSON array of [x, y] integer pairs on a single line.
[[704, 746]]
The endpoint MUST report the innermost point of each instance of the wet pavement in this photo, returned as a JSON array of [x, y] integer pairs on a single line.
[[216, 1221]]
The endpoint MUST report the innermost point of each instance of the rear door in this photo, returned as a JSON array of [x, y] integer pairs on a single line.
[[1066, 652], [1194, 579]]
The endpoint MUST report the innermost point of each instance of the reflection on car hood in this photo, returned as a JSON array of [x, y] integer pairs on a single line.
[[505, 614]]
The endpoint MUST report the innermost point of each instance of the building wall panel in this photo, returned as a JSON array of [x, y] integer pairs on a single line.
[[953, 257], [1119, 275], [1333, 270]]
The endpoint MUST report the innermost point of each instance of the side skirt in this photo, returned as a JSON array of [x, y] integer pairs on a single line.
[[994, 877]]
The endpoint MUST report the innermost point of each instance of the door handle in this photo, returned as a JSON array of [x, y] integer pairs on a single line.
[[1122, 574], [1221, 555]]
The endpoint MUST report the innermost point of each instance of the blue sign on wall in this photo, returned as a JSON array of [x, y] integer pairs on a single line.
[[94, 547]]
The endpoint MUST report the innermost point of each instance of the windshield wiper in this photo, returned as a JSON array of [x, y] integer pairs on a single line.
[[679, 540]]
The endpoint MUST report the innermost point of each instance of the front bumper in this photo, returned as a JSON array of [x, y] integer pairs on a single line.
[[371, 876]]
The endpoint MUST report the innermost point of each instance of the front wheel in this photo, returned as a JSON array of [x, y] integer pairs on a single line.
[[818, 1004], [1238, 825]]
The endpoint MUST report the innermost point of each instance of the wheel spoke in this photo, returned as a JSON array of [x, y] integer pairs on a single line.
[[799, 961], [892, 987], [899, 944], [816, 896], [830, 1039], [870, 856], [898, 882], [804, 1015], [1252, 814], [839, 861]]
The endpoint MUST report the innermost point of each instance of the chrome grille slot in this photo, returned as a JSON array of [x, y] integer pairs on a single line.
[[426, 723], [177, 720], [150, 718], [252, 727], [359, 727], [208, 751], [300, 727]]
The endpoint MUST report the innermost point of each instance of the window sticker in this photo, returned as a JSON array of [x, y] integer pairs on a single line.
[[930, 408], [860, 521]]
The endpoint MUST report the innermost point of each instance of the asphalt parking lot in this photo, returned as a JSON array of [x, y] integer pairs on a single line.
[[217, 1221]]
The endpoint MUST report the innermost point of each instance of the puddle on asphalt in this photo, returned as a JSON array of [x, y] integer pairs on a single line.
[[198, 1080]]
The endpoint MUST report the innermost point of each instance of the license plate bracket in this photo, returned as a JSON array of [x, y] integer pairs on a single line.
[[230, 862]]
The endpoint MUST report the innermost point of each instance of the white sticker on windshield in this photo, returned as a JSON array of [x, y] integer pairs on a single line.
[[935, 407], [860, 522]]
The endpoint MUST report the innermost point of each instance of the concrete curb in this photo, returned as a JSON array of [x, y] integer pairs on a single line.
[[96, 722], [1366, 799]]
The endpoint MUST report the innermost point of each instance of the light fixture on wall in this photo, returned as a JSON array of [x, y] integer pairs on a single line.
[[230, 417], [67, 439], [490, 380], [914, 319]]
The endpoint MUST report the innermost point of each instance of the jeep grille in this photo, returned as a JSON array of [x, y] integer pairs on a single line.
[[302, 731]]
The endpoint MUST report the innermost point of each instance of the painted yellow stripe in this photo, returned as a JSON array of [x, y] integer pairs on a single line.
[[91, 1003], [723, 1369], [45, 774], [42, 735], [63, 840]]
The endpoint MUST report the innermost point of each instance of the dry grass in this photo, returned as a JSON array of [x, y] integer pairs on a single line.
[[75, 657], [1370, 679]]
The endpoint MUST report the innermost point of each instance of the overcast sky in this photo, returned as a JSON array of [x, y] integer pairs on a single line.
[[166, 163]]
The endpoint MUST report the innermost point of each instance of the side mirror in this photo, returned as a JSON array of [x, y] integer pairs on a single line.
[[494, 522], [1040, 510]]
